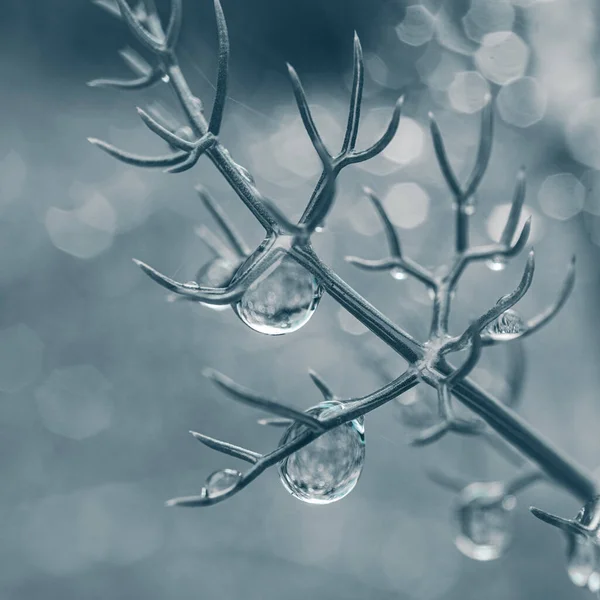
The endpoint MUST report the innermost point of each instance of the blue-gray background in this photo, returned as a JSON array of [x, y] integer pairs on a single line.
[[101, 376]]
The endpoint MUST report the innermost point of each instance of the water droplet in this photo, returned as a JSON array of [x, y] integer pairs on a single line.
[[497, 263], [165, 78], [281, 300], [320, 228], [216, 273], [583, 564], [469, 207], [398, 273], [507, 326], [222, 482], [484, 520], [328, 468]]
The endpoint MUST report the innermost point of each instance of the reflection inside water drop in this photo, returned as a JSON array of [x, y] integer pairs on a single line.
[[328, 468], [507, 326], [281, 300]]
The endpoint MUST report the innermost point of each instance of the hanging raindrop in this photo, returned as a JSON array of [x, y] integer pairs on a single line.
[[281, 300], [484, 521], [497, 263], [217, 273], [222, 482], [165, 78], [398, 273], [327, 469], [507, 326]]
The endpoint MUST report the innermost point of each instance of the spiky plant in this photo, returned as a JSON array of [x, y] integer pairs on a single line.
[[276, 287]]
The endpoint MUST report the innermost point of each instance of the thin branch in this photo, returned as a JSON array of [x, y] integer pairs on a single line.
[[138, 160], [139, 31], [166, 134], [216, 116], [226, 448], [486, 137], [234, 238], [246, 396], [174, 26], [321, 385], [358, 77], [139, 83]]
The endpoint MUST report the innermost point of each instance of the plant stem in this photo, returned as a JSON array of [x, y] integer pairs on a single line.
[[499, 417]]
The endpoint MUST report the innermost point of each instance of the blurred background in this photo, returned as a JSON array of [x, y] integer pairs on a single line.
[[100, 376]]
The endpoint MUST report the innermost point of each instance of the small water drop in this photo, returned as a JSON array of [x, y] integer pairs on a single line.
[[216, 273], [484, 520], [245, 174], [165, 78], [398, 273], [281, 300], [222, 482], [583, 563], [469, 208], [497, 263], [320, 228], [507, 326], [328, 468]]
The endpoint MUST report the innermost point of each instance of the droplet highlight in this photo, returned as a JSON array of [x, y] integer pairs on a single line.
[[327, 469], [497, 263]]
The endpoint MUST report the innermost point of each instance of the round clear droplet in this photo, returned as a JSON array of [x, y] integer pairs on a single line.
[[398, 273], [327, 469], [165, 78], [497, 263], [222, 482], [281, 300], [484, 521], [216, 273], [507, 326]]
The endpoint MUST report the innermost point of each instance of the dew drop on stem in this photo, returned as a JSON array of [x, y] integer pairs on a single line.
[[222, 482], [281, 300], [484, 521], [327, 469]]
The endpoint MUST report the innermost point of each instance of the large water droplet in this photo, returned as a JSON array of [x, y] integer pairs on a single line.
[[484, 520], [497, 263], [217, 273], [583, 564], [222, 482], [281, 300], [507, 326], [329, 467]]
